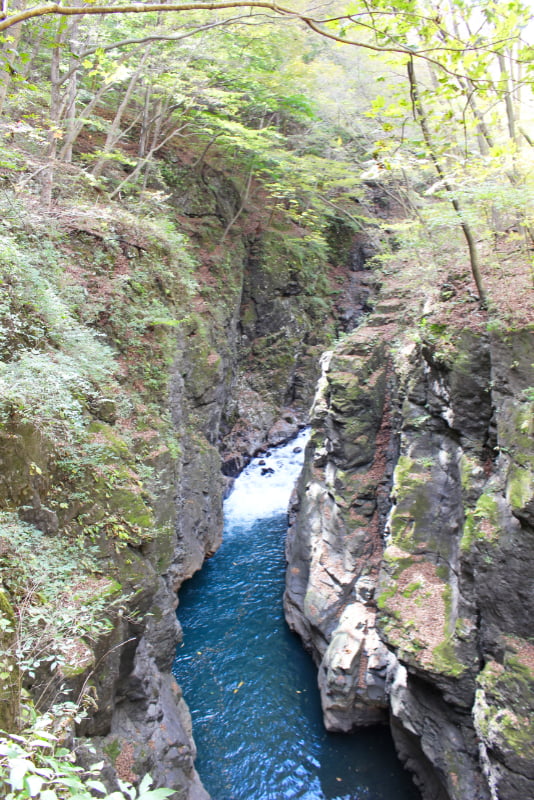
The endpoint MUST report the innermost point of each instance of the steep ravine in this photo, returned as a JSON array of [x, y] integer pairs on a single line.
[[189, 364], [222, 400], [410, 551], [410, 574]]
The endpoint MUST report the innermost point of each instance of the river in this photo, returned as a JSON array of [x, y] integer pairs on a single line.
[[249, 684]]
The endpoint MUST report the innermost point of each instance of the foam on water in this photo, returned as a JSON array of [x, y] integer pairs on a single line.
[[259, 492]]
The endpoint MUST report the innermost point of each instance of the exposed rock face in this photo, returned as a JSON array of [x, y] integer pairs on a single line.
[[145, 726], [443, 632], [142, 483], [334, 547], [277, 348]]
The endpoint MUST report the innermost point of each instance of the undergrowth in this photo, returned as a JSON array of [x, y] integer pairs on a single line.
[[35, 764], [57, 591]]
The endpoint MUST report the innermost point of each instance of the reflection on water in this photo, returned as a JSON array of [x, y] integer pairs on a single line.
[[250, 686]]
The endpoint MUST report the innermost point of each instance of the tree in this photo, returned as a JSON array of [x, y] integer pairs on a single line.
[[473, 56], [472, 61]]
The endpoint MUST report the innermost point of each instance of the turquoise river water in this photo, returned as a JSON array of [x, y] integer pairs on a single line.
[[250, 686]]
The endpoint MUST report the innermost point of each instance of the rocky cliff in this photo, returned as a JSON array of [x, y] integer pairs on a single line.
[[139, 356], [134, 353], [410, 549]]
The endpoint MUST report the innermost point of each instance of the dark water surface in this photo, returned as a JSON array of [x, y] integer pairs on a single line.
[[251, 688]]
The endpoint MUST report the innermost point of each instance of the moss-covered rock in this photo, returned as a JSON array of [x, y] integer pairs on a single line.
[[503, 715], [483, 522]]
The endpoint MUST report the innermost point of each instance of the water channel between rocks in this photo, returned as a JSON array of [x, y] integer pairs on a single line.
[[251, 688]]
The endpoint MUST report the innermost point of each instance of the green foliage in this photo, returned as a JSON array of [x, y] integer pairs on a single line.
[[468, 101], [34, 764], [53, 583], [44, 390], [32, 310], [51, 362]]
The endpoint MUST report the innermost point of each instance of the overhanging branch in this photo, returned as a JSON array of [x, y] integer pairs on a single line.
[[317, 25]]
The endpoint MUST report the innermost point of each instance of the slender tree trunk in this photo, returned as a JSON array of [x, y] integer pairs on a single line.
[[156, 121], [71, 92], [114, 133], [508, 102], [484, 136], [517, 88], [55, 111], [420, 116], [9, 56], [145, 123]]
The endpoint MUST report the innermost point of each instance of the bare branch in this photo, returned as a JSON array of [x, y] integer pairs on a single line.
[[146, 159], [282, 11], [156, 37]]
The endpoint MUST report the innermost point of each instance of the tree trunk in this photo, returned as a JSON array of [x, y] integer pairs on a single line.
[[71, 92], [145, 123], [420, 116], [55, 110], [114, 133], [508, 103], [9, 51]]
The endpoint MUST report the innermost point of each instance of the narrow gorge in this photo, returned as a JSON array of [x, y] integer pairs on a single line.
[[251, 687], [217, 232], [409, 559]]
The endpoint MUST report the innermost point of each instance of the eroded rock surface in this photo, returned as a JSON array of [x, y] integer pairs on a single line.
[[442, 631], [334, 546]]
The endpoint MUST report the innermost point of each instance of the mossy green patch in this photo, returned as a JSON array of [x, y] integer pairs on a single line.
[[520, 487], [412, 588], [516, 432], [385, 595], [468, 467], [408, 477], [358, 394], [113, 442], [481, 523], [504, 708], [113, 749], [397, 560], [446, 661]]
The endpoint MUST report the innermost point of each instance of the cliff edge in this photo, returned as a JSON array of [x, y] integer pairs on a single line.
[[410, 551]]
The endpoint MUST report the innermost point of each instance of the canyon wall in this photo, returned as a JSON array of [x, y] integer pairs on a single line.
[[151, 377], [411, 544], [168, 350]]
